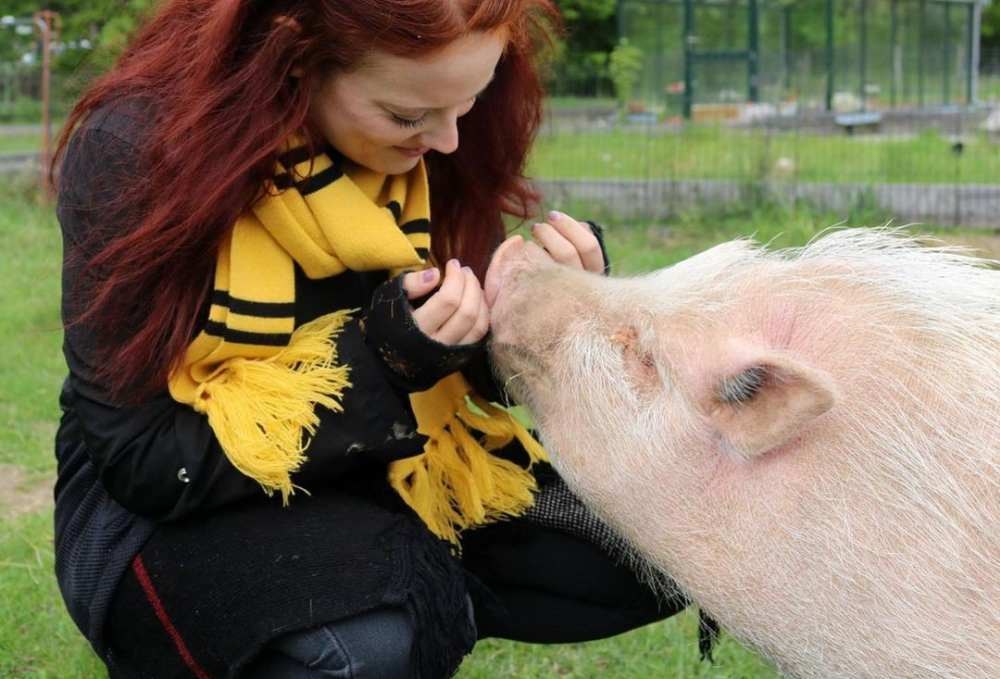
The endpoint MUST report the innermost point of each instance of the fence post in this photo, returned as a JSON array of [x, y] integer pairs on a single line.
[[46, 21], [946, 56], [689, 40], [921, 30], [829, 55], [753, 64], [972, 75], [863, 56], [894, 50], [786, 46]]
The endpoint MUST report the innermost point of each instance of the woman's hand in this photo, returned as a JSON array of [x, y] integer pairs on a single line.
[[457, 313], [569, 242]]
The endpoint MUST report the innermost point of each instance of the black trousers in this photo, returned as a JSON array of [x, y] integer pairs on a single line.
[[526, 582]]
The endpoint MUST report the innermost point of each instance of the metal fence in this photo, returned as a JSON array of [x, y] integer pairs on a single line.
[[880, 52], [934, 163], [937, 163]]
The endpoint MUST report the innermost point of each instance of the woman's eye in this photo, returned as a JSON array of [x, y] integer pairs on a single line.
[[407, 122]]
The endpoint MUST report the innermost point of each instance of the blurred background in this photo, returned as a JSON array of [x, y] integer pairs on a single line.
[[661, 106], [678, 123]]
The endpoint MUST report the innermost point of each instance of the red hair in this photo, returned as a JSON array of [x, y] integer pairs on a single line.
[[220, 74]]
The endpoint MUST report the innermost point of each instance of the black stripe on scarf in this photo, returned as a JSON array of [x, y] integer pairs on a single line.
[[293, 157], [396, 210], [289, 159], [271, 339], [415, 226], [314, 183], [248, 307], [423, 253], [283, 181]]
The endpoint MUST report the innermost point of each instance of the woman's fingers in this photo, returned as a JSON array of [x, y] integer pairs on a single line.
[[441, 306], [582, 239], [466, 321], [482, 325], [419, 283], [560, 248]]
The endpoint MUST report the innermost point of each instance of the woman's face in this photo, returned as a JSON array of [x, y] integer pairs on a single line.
[[391, 110]]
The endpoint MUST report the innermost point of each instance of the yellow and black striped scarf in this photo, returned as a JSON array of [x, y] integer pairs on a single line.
[[258, 378]]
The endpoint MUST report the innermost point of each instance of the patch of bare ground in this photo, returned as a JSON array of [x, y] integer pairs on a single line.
[[986, 245], [21, 493]]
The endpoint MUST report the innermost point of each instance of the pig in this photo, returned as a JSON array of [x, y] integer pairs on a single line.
[[807, 442]]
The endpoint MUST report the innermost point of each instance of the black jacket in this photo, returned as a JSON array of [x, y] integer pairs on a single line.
[[144, 493]]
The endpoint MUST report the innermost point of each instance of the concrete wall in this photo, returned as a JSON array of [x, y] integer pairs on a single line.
[[975, 205]]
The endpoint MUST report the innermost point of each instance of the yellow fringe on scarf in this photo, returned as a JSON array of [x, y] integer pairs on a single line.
[[457, 483], [259, 408]]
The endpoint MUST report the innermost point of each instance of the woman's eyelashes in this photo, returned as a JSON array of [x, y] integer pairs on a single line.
[[407, 122], [410, 123]]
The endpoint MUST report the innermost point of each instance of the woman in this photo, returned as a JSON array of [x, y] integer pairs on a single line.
[[261, 313]]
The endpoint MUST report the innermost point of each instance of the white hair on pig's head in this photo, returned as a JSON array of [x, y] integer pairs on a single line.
[[807, 440]]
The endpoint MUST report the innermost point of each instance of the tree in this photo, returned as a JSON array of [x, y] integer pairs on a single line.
[[991, 25], [624, 65], [591, 34]]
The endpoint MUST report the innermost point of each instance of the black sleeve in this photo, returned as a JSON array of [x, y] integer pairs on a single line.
[[598, 232], [160, 459], [413, 361]]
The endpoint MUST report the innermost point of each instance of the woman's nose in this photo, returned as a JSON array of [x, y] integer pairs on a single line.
[[443, 137]]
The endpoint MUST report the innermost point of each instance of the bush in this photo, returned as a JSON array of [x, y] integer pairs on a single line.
[[624, 65]]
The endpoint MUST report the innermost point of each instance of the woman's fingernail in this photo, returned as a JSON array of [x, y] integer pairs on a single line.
[[555, 214], [467, 269], [428, 275], [453, 262]]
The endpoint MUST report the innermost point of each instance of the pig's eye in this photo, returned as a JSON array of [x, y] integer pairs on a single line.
[[743, 386]]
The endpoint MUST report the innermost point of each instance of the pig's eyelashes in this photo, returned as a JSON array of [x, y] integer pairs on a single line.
[[743, 386]]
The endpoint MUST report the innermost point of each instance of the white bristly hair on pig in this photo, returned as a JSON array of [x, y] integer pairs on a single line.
[[921, 448]]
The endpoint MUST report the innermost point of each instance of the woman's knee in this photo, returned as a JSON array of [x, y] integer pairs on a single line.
[[373, 645]]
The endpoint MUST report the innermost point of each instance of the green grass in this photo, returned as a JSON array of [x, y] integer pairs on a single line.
[[706, 152], [20, 143], [709, 152], [31, 362], [37, 638], [989, 87], [576, 103]]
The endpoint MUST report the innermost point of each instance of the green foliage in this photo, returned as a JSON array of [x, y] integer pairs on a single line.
[[624, 66], [93, 33], [586, 10], [591, 32], [22, 108], [991, 24]]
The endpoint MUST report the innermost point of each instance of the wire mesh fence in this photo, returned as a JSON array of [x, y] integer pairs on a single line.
[[905, 148], [936, 162]]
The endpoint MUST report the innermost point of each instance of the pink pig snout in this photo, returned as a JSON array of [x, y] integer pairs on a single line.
[[513, 257]]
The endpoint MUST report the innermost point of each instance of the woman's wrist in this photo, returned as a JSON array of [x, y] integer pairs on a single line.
[[416, 361]]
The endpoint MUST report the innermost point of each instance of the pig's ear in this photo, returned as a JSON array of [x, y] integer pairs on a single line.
[[766, 402]]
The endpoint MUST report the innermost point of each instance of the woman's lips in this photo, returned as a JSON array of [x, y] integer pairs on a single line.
[[412, 153]]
